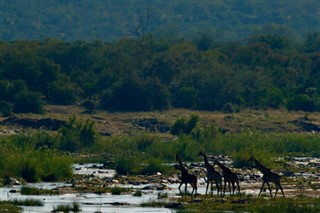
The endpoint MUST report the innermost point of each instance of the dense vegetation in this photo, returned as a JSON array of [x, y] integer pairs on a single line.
[[266, 71], [110, 20], [41, 156]]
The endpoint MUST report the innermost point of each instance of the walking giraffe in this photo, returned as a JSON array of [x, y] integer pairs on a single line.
[[186, 178], [229, 177], [212, 175], [268, 176]]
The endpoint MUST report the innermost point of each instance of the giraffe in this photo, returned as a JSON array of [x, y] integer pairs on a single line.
[[268, 176], [229, 177], [212, 174], [186, 178]]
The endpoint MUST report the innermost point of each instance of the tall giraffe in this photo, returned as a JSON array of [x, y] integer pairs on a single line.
[[186, 178], [268, 176], [212, 174], [229, 177]]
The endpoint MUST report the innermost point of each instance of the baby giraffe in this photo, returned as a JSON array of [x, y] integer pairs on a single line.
[[212, 175], [186, 178]]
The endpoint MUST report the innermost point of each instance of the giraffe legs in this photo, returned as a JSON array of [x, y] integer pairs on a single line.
[[278, 186], [224, 188], [180, 188], [218, 185], [270, 189], [263, 182], [208, 182], [185, 190], [238, 186], [211, 188]]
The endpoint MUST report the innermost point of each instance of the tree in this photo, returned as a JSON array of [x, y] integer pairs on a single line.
[[27, 101]]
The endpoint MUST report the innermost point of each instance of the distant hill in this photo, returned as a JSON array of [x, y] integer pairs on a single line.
[[110, 20]]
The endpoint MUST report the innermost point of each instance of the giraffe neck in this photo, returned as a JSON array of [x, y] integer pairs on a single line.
[[206, 162], [225, 169], [260, 167], [182, 168]]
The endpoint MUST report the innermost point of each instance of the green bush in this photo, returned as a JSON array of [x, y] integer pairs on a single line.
[[185, 126], [63, 91], [27, 101], [6, 108], [127, 165], [19, 159], [303, 102], [154, 166], [74, 207], [77, 134]]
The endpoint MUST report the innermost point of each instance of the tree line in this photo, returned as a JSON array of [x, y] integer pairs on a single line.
[[149, 73], [110, 20]]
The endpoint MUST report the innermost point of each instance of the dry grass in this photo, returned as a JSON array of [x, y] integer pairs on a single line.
[[120, 123]]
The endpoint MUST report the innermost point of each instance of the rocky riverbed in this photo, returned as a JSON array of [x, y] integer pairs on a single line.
[[90, 180]]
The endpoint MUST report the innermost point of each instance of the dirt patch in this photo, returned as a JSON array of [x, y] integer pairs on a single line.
[[45, 123]]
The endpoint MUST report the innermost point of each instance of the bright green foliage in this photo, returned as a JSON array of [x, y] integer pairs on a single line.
[[127, 165], [77, 134], [19, 157], [74, 207]]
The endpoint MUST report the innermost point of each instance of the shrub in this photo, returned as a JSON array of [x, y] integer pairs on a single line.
[[29, 171], [27, 101], [230, 108], [128, 165], [186, 97], [6, 108], [185, 126], [302, 102], [74, 207], [154, 166], [63, 91], [76, 134]]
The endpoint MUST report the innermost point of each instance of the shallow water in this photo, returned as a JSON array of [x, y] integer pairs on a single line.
[[90, 202]]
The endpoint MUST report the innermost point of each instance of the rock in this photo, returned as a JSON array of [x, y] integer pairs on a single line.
[[119, 203], [151, 124], [177, 205]]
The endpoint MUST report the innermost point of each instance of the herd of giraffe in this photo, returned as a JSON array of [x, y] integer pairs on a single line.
[[228, 176]]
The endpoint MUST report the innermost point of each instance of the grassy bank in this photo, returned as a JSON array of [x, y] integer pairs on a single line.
[[19, 158], [254, 205], [146, 153]]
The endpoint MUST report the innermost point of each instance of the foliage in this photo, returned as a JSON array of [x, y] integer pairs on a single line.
[[21, 158], [77, 133], [126, 166], [6, 108], [185, 126], [26, 202], [252, 204], [26, 190], [150, 73], [154, 166], [27, 101], [74, 207], [304, 103], [226, 20]]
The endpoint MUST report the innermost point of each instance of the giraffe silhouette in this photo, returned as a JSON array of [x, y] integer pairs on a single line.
[[212, 175], [268, 176], [229, 177], [186, 178]]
